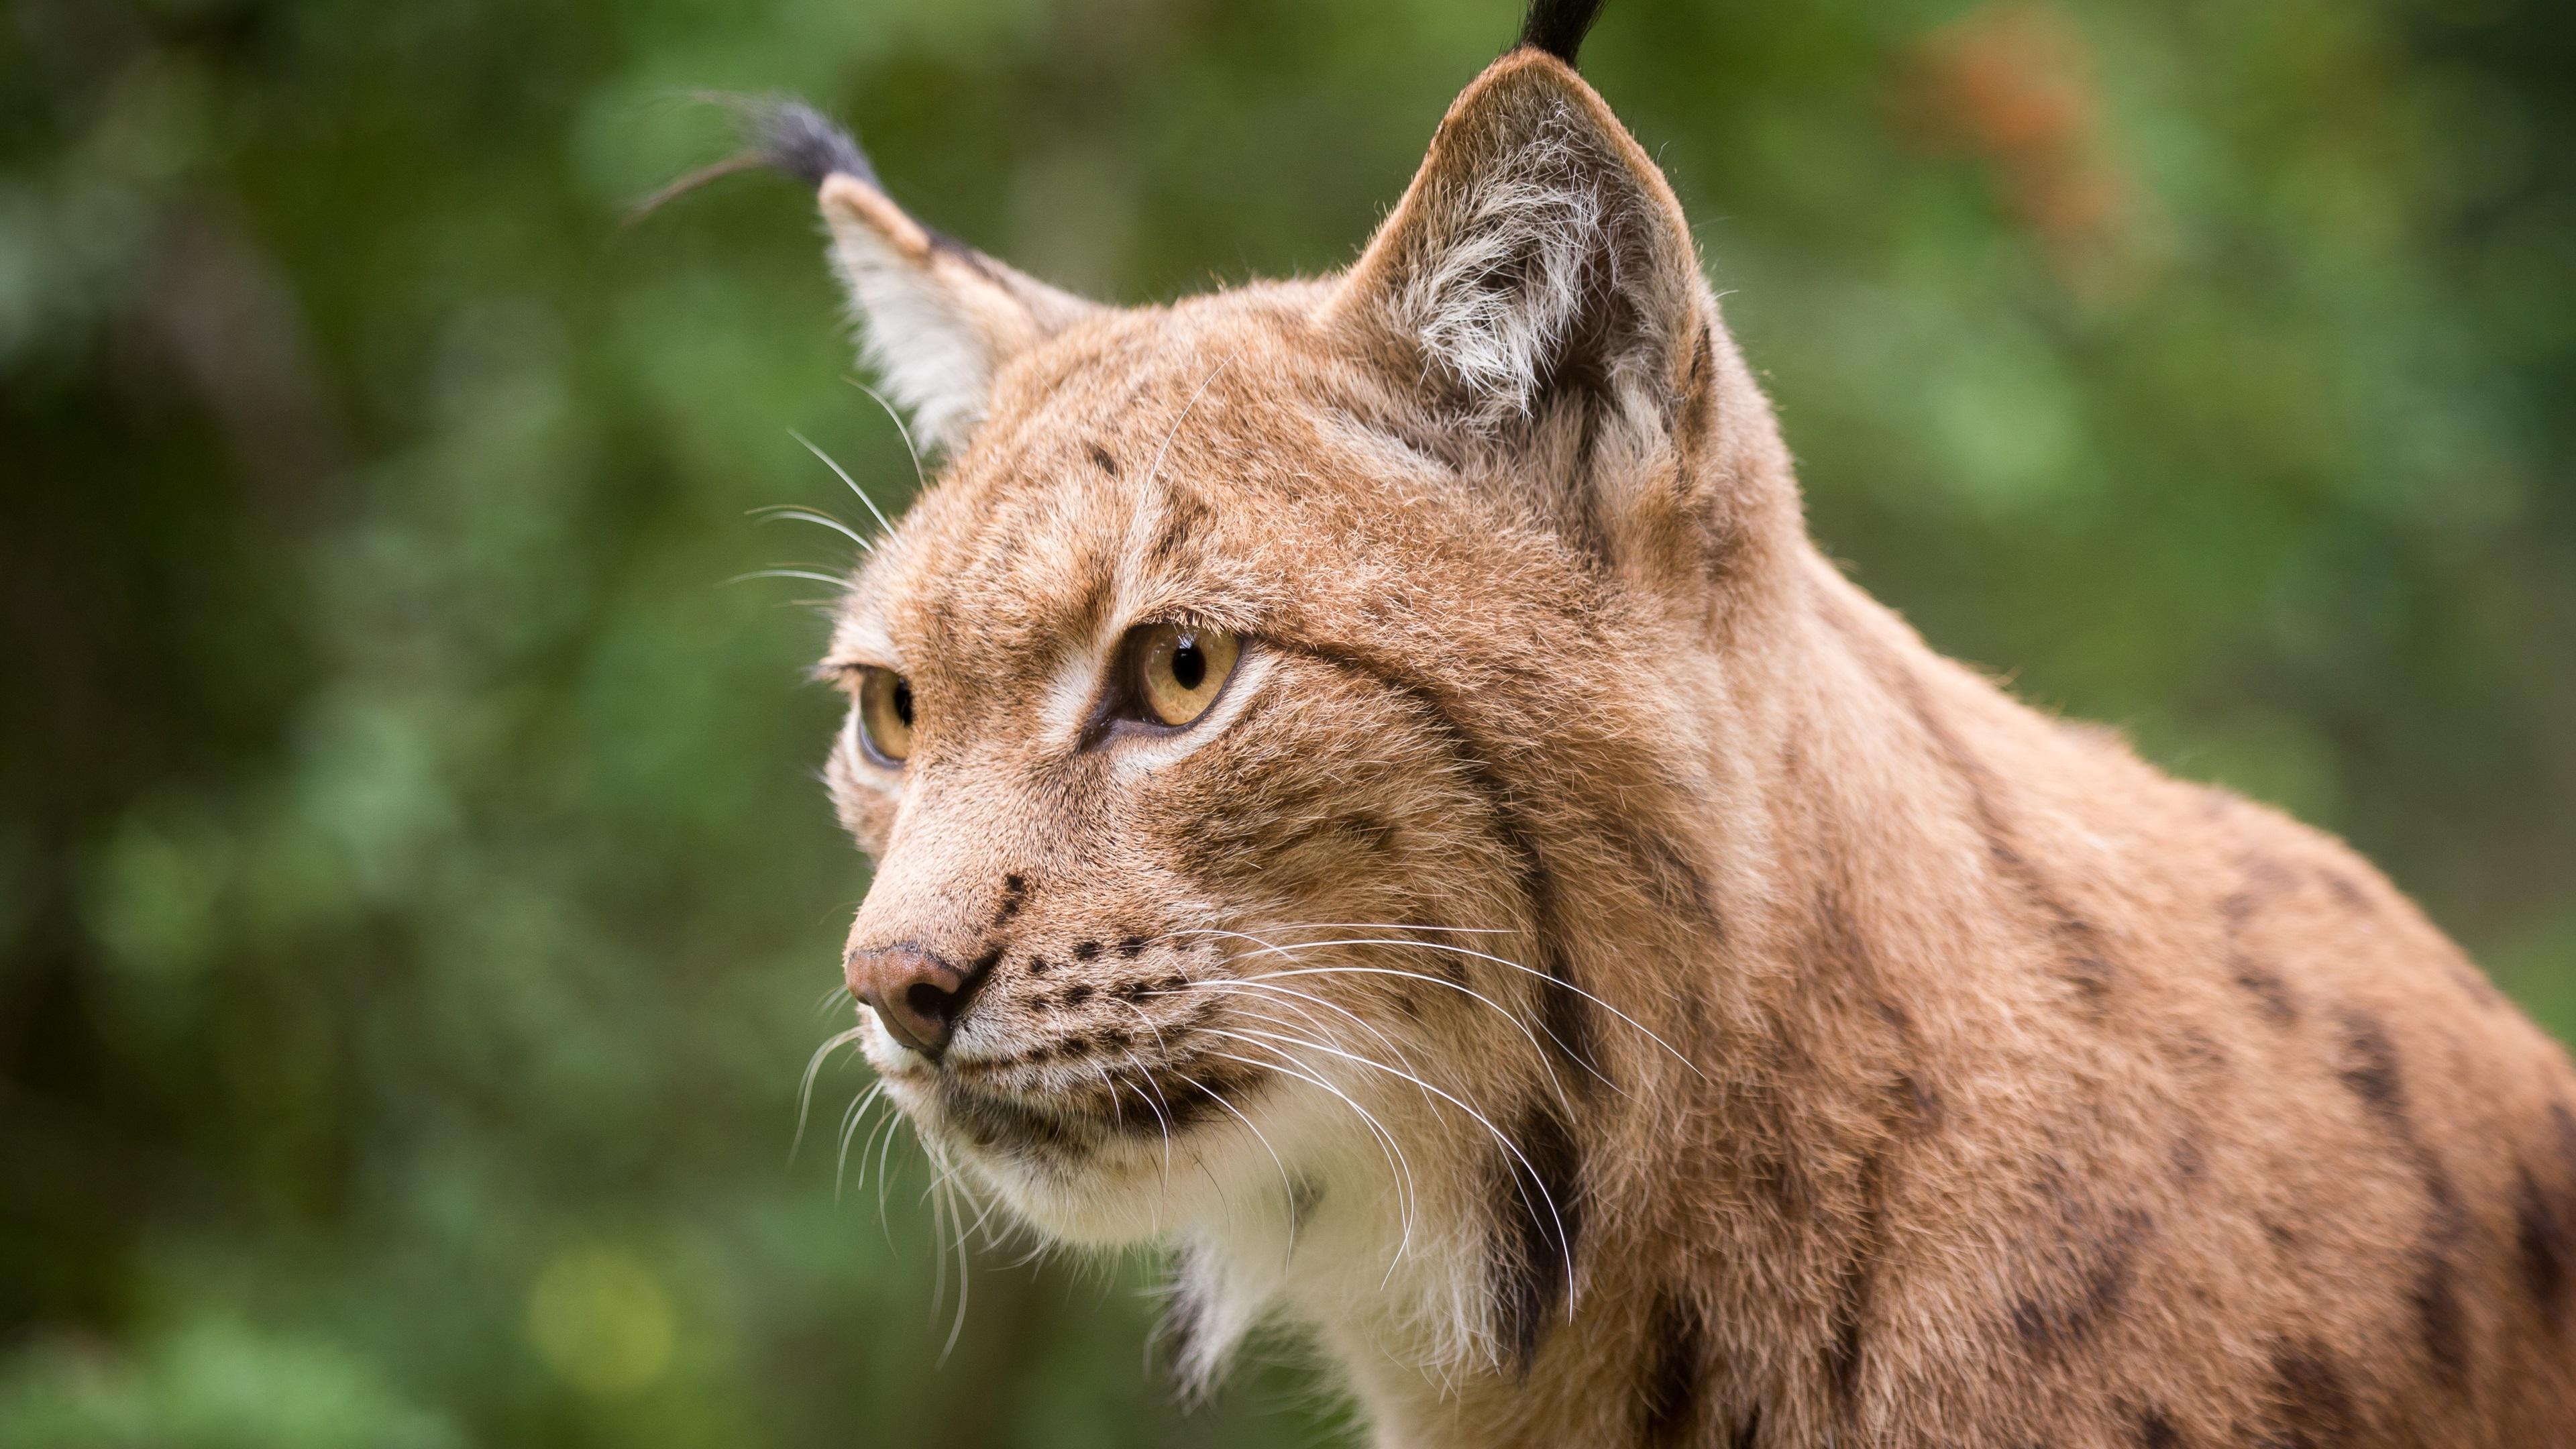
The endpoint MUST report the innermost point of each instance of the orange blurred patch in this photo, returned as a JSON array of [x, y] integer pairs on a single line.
[[2011, 86]]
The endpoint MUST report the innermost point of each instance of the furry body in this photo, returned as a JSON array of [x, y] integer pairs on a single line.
[[1593, 968]]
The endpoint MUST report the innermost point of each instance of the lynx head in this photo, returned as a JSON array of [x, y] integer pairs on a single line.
[[1271, 726]]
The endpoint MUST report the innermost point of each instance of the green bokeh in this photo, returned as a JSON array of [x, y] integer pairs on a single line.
[[416, 908]]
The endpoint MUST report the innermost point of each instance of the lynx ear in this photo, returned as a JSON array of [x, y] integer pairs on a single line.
[[1538, 253], [936, 317]]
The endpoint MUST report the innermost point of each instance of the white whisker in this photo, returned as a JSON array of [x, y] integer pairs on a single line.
[[835, 580], [1399, 1166], [811, 515], [1287, 1189], [805, 1088], [1555, 981], [919, 480], [873, 511], [1497, 1133]]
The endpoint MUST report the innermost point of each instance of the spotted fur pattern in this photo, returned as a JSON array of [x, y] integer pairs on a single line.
[[1593, 969]]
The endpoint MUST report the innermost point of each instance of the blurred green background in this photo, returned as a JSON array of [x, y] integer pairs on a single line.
[[416, 906]]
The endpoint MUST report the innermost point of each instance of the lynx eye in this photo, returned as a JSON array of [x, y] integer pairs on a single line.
[[1181, 669], [885, 715]]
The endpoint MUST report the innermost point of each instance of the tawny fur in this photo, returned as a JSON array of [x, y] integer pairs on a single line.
[[1802, 1043]]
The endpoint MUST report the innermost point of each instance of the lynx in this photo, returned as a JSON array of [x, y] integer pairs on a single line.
[[1373, 790]]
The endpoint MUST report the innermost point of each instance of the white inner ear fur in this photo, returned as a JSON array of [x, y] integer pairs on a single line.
[[1500, 294], [917, 330]]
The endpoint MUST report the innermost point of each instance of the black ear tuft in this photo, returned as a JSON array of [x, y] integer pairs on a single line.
[[1558, 26], [793, 137]]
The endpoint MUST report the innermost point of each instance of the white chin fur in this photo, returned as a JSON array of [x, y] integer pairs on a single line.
[[1137, 1189], [1131, 1191]]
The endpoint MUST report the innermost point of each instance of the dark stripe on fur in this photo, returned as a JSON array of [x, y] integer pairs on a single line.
[[2156, 1430], [1565, 1011], [2315, 1408], [1538, 1207], [2085, 959], [1850, 1314], [2370, 1070], [2264, 879], [2542, 1239], [1677, 1340]]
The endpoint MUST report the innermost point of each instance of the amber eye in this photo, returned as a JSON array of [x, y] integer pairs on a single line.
[[1180, 670], [885, 715]]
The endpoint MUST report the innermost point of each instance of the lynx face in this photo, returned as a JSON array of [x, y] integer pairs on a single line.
[[1176, 781], [1220, 717]]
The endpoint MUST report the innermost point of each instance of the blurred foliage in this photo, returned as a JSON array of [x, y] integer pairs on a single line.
[[415, 905]]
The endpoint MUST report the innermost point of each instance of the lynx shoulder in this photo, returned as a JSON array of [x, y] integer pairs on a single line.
[[1374, 790]]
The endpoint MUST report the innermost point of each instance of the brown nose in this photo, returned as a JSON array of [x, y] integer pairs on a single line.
[[918, 996]]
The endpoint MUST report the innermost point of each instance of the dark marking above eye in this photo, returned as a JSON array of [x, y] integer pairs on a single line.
[[1100, 459], [1183, 515]]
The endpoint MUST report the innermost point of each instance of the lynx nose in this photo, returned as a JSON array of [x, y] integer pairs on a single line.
[[918, 996]]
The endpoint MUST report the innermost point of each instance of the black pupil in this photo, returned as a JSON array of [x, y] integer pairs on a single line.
[[1189, 666], [903, 702]]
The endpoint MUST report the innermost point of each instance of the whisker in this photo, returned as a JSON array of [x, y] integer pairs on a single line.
[[1289, 951], [849, 1129], [1262, 984], [893, 1127], [798, 514], [1287, 1189], [1399, 1166], [805, 1088], [900, 431], [873, 511], [1117, 1110], [1515, 965], [791, 573], [1175, 430], [1536, 1181], [1149, 1091], [1362, 926]]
